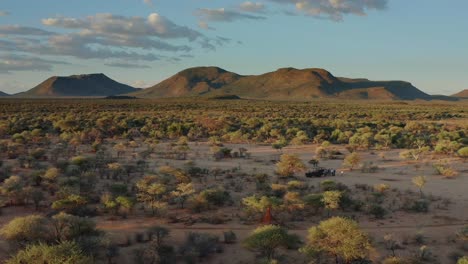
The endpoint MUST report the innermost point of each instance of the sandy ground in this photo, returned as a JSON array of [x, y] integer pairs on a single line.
[[438, 226]]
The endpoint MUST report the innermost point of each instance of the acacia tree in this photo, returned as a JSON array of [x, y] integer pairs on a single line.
[[267, 239], [340, 238], [463, 153], [11, 188], [331, 200], [67, 252], [27, 229], [289, 165], [151, 192], [352, 160], [182, 193], [258, 205], [420, 182]]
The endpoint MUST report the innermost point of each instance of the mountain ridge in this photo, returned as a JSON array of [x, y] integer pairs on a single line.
[[461, 94], [282, 84], [95, 84]]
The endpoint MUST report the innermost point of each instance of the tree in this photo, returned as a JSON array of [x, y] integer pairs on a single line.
[[340, 238], [414, 154], [183, 192], [267, 239], [419, 181], [293, 202], [51, 174], [331, 200], [37, 197], [259, 205], [463, 153], [63, 253], [27, 229], [67, 227], [159, 233], [463, 260], [125, 204], [12, 188], [70, 204], [352, 160], [289, 165], [120, 149], [151, 192]]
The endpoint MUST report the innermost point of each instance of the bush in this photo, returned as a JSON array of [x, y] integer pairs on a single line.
[[199, 245], [64, 253], [216, 197], [463, 260], [28, 229], [377, 211], [420, 206], [230, 237]]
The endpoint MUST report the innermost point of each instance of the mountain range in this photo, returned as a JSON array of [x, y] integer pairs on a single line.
[[214, 82], [2, 94], [283, 84]]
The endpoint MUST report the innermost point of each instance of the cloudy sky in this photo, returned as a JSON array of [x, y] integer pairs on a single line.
[[141, 42]]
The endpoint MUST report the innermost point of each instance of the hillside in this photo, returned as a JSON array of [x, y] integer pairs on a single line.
[[2, 94], [462, 94], [78, 85], [283, 84], [193, 81]]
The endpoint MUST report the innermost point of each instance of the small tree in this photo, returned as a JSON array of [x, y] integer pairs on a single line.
[[289, 165], [158, 233], [37, 197], [420, 182], [70, 204], [126, 204], [463, 153], [267, 239], [151, 192], [331, 200], [63, 253], [340, 238], [352, 160], [27, 229], [11, 188], [183, 192]]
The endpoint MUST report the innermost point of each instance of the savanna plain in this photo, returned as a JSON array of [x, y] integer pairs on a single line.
[[233, 181]]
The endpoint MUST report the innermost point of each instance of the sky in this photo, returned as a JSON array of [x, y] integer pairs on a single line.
[[142, 42]]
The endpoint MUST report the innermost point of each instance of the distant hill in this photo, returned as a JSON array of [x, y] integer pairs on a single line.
[[283, 84], [2, 94], [190, 82], [462, 94], [78, 85]]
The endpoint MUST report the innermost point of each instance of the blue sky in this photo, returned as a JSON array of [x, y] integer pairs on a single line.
[[143, 42]]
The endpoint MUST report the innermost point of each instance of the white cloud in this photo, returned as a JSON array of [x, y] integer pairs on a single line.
[[127, 65], [11, 62], [119, 41], [204, 25], [334, 9], [20, 30], [154, 25], [139, 84], [252, 7], [224, 15]]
